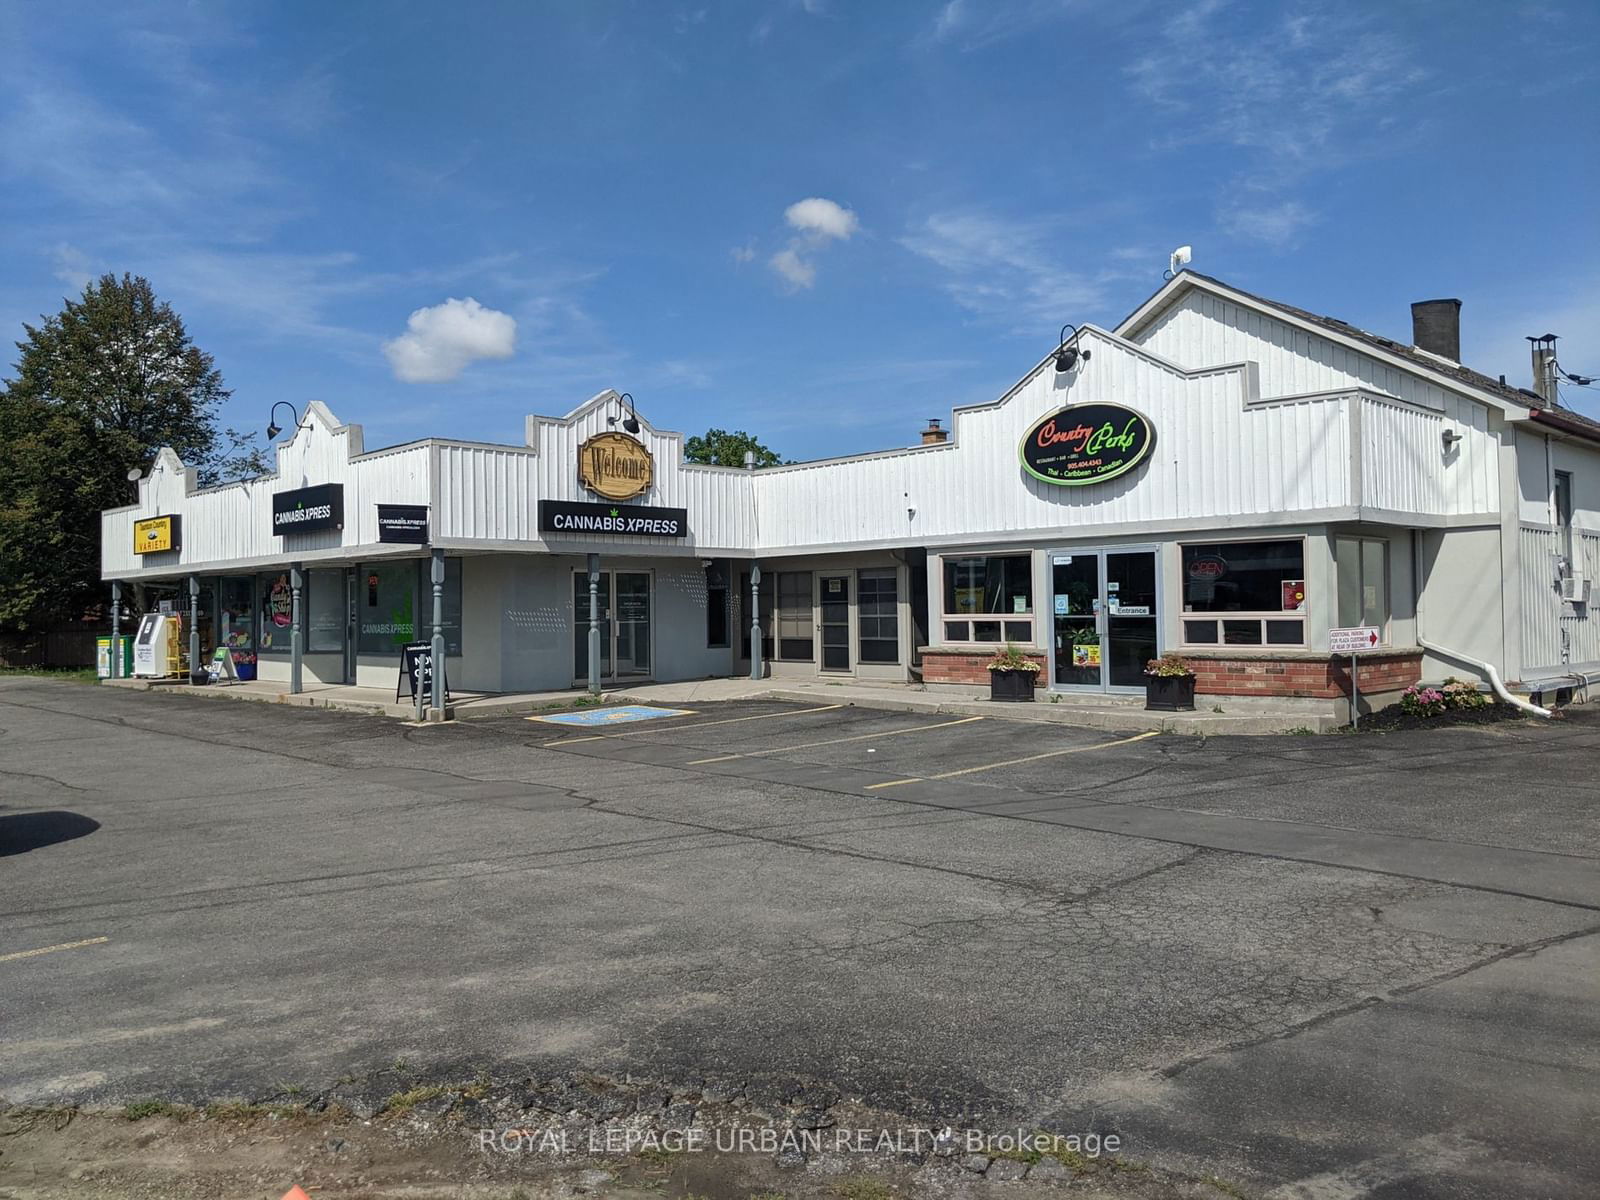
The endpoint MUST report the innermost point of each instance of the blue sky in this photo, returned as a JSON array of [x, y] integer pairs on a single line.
[[618, 188]]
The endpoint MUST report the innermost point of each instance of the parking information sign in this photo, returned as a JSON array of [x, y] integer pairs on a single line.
[[1355, 640]]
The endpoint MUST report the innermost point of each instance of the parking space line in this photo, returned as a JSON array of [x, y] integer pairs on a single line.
[[1011, 762], [94, 941], [859, 737], [603, 737]]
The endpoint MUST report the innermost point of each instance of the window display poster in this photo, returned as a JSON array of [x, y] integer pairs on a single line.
[[277, 609], [1294, 595], [1085, 655]]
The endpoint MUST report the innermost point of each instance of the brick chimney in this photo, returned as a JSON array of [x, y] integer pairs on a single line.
[[933, 435], [1436, 328]]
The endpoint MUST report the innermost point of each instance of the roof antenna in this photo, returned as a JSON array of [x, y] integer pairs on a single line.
[[1180, 258]]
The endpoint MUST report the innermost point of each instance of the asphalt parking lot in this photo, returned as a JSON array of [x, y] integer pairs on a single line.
[[1360, 965]]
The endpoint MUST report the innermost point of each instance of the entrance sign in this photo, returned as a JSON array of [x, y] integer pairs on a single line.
[[1356, 640], [615, 466], [155, 534], [416, 672], [407, 523], [577, 516], [307, 509], [1086, 443]]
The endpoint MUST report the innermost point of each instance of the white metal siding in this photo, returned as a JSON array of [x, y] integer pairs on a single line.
[[1405, 467], [1215, 456], [1557, 636], [1202, 328], [234, 523]]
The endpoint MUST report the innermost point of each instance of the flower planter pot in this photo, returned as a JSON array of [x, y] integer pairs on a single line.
[[1169, 693], [1011, 685]]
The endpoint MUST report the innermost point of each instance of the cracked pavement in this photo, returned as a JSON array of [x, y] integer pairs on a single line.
[[1361, 965]]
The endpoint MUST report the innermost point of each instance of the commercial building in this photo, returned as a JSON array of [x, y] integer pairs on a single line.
[[1220, 475]]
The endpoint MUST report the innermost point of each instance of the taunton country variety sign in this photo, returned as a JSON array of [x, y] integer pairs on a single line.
[[1086, 443]]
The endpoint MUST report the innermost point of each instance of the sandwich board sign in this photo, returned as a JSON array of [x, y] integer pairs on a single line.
[[221, 666], [1357, 639], [416, 672]]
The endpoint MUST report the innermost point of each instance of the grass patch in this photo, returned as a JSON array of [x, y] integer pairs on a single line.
[[1223, 1186], [656, 1156], [64, 674], [404, 1102], [143, 1110]]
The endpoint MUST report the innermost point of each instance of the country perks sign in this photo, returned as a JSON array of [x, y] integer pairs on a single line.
[[305, 510], [1086, 443]]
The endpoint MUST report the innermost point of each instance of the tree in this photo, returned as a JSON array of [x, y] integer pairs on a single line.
[[719, 448], [100, 387]]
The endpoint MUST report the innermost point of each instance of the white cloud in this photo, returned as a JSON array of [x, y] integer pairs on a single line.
[[1278, 225], [818, 222], [821, 218], [796, 271], [743, 254], [441, 341], [1321, 87], [1010, 271], [71, 266]]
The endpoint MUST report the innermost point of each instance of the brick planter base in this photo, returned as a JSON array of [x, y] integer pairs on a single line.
[[972, 666], [1301, 673]]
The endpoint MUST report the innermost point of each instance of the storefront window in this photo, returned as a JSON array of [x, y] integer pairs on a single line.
[[796, 624], [878, 617], [716, 605], [1363, 568], [452, 604], [386, 606], [236, 618], [982, 592], [763, 616], [277, 611], [325, 617], [1260, 586]]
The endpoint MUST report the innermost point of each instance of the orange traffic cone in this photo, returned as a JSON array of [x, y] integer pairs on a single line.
[[296, 1193]]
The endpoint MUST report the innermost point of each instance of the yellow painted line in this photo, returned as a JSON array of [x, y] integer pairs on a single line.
[[52, 949], [1011, 762], [798, 712], [860, 737]]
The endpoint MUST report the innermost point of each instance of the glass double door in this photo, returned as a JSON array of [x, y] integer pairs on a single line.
[[1105, 619], [625, 628]]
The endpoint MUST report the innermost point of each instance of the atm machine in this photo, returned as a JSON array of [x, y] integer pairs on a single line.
[[152, 645]]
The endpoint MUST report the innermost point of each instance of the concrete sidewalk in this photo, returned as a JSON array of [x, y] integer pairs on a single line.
[[1234, 715]]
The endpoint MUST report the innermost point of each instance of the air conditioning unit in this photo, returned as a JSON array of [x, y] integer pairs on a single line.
[[1575, 589]]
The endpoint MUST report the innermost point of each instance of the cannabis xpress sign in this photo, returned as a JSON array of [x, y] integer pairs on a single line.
[[1086, 443], [306, 509]]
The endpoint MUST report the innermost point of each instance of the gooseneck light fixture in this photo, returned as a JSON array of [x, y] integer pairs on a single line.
[[1068, 355], [631, 421], [273, 428]]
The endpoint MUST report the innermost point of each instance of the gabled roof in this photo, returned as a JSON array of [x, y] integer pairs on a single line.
[[1420, 360]]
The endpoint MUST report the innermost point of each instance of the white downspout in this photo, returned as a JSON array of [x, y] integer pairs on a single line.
[[1487, 668]]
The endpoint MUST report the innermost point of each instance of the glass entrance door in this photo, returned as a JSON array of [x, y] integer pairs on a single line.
[[834, 621], [631, 655], [625, 626], [1130, 616], [1105, 619]]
